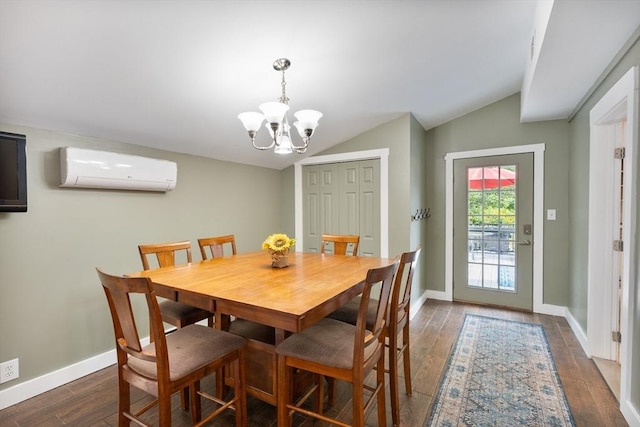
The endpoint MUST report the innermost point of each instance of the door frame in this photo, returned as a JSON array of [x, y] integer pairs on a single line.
[[382, 154], [621, 99], [538, 218]]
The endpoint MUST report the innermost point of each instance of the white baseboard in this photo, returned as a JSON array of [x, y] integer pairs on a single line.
[[415, 306], [36, 386], [551, 310], [578, 331], [630, 413], [439, 295], [31, 388]]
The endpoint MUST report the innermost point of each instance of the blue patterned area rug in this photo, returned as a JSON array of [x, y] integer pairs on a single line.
[[500, 373]]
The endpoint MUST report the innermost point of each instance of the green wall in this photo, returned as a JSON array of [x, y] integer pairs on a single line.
[[498, 125], [418, 200], [53, 312], [394, 135], [579, 218], [406, 140]]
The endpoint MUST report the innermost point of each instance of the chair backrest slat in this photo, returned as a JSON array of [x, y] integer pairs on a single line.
[[216, 245], [165, 253], [341, 243]]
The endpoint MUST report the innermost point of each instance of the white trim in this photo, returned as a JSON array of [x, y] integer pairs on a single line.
[[382, 154], [552, 310], [630, 413], [538, 217], [438, 295], [578, 331], [624, 91], [31, 388], [417, 304]]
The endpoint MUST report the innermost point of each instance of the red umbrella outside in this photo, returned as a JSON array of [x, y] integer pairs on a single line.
[[492, 177]]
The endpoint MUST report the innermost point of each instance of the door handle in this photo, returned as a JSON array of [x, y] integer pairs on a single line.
[[524, 242]]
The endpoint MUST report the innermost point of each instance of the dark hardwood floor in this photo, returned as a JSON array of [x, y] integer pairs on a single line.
[[91, 401]]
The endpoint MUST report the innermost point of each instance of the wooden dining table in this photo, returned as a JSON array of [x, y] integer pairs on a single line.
[[286, 299]]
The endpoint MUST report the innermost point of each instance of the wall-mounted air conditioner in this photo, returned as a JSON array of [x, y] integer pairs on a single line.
[[80, 167]]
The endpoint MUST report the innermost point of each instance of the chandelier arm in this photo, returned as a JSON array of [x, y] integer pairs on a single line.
[[263, 148], [259, 147], [301, 148]]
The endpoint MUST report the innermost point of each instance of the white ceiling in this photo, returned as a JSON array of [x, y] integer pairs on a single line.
[[175, 74]]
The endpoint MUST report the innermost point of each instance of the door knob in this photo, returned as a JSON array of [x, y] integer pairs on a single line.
[[524, 242]]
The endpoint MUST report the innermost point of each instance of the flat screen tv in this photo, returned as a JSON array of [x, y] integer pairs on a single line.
[[13, 172]]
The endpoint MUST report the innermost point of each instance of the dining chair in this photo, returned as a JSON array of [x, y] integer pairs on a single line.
[[216, 245], [173, 312], [397, 322], [172, 362], [341, 243], [339, 350]]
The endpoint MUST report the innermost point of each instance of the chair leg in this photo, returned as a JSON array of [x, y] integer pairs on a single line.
[[164, 409], [124, 401], [239, 391], [406, 360], [220, 382], [332, 386], [319, 393], [196, 408], [358, 401], [382, 416], [393, 380], [184, 398], [284, 391]]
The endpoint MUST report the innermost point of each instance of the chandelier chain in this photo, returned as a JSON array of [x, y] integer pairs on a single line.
[[284, 98]]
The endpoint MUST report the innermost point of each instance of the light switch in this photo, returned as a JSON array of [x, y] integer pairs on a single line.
[[551, 214]]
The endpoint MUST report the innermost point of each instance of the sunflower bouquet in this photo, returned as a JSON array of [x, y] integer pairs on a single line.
[[278, 246]]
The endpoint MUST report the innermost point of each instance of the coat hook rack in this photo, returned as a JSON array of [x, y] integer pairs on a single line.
[[421, 214]]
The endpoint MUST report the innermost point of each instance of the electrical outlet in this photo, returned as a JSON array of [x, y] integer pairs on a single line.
[[9, 370]]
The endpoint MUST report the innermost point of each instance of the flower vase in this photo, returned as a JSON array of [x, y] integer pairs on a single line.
[[279, 259]]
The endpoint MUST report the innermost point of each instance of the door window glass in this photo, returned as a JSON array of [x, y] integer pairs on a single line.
[[491, 211]]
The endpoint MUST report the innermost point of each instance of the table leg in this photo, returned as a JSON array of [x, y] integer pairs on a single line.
[[222, 322]]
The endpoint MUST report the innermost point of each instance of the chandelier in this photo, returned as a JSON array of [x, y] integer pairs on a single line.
[[277, 122]]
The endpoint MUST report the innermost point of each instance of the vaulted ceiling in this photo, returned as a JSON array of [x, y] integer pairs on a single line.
[[175, 74]]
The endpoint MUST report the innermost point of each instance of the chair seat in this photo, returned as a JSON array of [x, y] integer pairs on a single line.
[[190, 348], [349, 312], [177, 310], [329, 342], [254, 331]]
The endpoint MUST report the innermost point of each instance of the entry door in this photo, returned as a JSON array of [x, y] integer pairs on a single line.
[[493, 230]]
